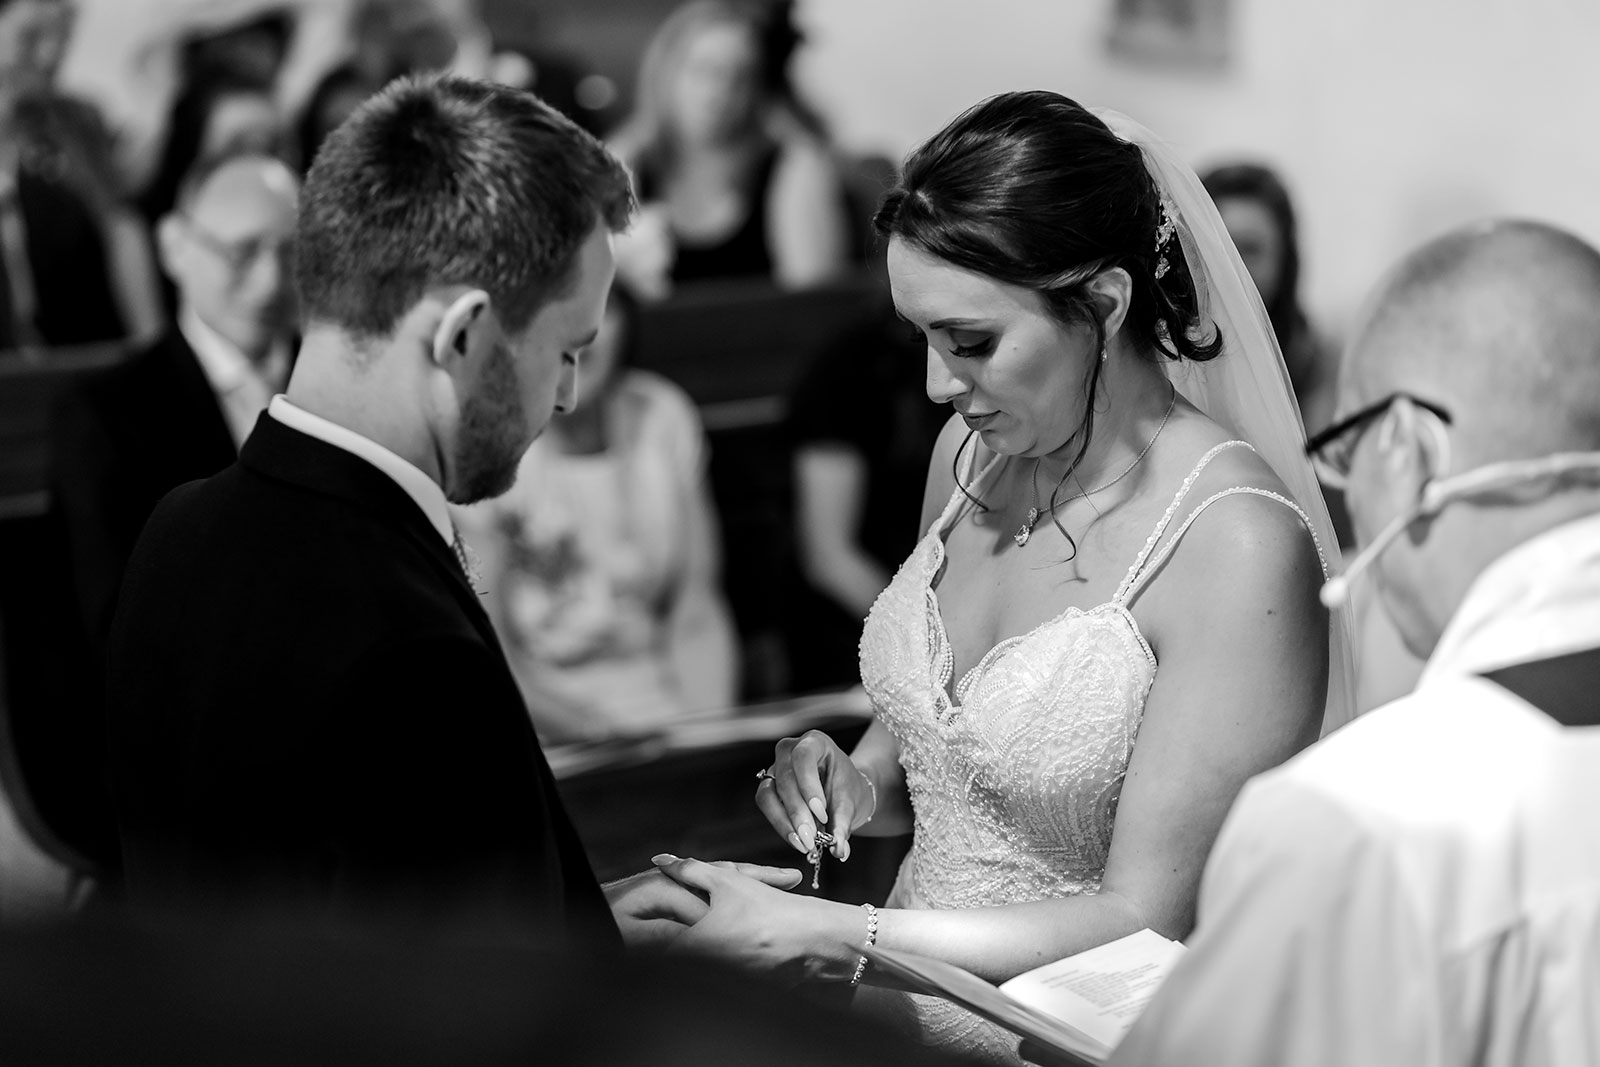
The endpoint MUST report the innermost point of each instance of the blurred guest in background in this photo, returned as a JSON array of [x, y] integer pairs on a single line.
[[336, 98], [174, 412], [731, 183], [180, 409], [217, 115], [603, 559], [1423, 887], [863, 429], [63, 231], [1255, 206], [65, 140], [134, 58]]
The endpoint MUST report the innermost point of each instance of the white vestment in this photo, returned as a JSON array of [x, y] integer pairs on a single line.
[[1423, 887]]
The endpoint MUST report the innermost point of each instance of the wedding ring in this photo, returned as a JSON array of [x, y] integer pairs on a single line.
[[765, 775]]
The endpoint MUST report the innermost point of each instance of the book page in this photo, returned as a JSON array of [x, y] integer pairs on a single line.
[[941, 979], [1101, 991]]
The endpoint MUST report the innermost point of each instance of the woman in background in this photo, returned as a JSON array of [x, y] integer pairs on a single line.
[[602, 561], [862, 429], [60, 141], [731, 181], [1255, 207], [219, 114]]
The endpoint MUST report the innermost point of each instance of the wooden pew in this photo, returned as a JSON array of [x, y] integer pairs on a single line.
[[42, 650], [28, 387], [738, 348]]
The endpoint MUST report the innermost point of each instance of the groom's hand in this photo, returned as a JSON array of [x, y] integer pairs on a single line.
[[652, 910]]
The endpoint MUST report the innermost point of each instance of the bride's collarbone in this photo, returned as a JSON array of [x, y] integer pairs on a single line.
[[990, 589]]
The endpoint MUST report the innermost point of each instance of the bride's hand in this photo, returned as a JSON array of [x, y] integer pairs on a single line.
[[652, 909], [754, 925], [812, 783]]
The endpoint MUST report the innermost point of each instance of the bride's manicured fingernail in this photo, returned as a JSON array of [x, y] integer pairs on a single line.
[[663, 858], [794, 839], [818, 808]]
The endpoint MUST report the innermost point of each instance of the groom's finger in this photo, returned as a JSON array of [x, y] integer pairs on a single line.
[[679, 906], [776, 877], [692, 873]]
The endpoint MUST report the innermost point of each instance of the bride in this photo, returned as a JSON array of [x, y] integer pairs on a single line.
[[1112, 621]]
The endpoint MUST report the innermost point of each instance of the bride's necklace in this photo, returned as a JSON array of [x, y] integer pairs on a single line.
[[1025, 531]]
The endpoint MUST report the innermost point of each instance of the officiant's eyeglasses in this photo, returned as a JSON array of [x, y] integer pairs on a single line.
[[1332, 449]]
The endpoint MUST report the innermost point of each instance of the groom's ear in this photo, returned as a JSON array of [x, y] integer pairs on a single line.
[[463, 317], [1111, 292]]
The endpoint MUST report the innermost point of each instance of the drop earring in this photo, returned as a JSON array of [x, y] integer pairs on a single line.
[[1105, 353]]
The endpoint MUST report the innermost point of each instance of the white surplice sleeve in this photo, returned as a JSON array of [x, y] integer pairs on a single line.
[[1311, 949]]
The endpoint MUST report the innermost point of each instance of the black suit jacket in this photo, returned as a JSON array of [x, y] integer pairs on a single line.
[[309, 708]]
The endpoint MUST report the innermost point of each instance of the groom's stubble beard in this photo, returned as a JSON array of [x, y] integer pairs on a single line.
[[489, 445]]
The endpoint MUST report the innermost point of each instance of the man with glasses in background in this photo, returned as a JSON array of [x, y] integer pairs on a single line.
[[1423, 887], [180, 409]]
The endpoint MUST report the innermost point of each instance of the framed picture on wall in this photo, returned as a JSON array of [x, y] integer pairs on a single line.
[[1176, 33]]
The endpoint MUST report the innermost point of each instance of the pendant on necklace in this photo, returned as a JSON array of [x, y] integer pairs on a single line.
[[1025, 531]]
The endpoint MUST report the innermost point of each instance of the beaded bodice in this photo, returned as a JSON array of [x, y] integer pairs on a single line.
[[1014, 776]]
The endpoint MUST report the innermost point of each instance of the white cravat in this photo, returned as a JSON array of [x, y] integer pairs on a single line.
[[418, 486], [243, 387]]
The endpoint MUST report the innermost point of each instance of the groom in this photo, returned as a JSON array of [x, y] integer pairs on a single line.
[[309, 710]]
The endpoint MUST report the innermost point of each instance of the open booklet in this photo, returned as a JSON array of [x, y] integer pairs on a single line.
[[1079, 1007]]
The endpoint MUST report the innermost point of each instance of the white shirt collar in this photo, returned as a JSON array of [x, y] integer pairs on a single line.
[[225, 367], [1539, 600], [421, 488]]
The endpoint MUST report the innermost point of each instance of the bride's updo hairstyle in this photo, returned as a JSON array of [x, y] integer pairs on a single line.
[[1033, 190]]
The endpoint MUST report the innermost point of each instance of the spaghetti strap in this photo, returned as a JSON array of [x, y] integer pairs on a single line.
[[1148, 564], [1125, 590]]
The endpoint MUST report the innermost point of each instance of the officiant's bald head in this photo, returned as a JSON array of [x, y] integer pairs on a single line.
[[1497, 326], [1499, 323]]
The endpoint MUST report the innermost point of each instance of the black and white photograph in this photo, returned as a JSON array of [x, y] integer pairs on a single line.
[[848, 532]]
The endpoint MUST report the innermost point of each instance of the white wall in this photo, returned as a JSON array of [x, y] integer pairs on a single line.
[[1391, 119]]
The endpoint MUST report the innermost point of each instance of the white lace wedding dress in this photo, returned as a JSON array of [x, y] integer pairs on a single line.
[[1014, 782]]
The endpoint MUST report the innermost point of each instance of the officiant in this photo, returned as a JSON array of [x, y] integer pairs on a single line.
[[1423, 887]]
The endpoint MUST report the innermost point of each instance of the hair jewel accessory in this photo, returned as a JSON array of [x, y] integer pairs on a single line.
[[1163, 237]]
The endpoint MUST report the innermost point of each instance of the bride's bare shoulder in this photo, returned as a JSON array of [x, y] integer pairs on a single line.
[[1196, 438], [1259, 534]]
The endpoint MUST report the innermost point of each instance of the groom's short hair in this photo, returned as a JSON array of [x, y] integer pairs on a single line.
[[442, 180]]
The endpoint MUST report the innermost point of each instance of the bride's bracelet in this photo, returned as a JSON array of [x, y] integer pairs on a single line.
[[872, 939]]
